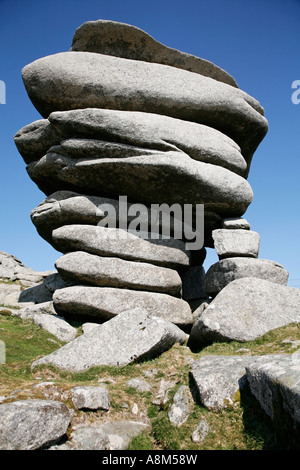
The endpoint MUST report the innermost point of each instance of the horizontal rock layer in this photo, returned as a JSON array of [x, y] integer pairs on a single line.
[[76, 80], [95, 270], [104, 303]]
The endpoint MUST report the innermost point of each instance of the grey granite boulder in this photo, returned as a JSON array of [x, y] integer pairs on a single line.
[[123, 40], [181, 406], [145, 337], [95, 270], [36, 309], [104, 303], [239, 242], [121, 433], [56, 326], [170, 177], [227, 270], [32, 424], [85, 438], [275, 382], [235, 223], [114, 242], [218, 380], [244, 310], [90, 397], [76, 80]]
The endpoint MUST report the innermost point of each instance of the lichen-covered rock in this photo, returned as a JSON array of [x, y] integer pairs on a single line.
[[228, 269], [90, 397], [244, 310], [217, 380], [275, 382], [32, 424], [146, 337], [103, 271]]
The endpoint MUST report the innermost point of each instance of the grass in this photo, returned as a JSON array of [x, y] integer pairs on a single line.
[[241, 427]]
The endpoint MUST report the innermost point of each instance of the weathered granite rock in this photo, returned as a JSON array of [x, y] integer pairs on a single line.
[[90, 397], [180, 408], [239, 242], [56, 326], [146, 337], [235, 223], [85, 438], [34, 140], [114, 242], [8, 264], [43, 292], [76, 80], [275, 381], [171, 177], [36, 309], [227, 270], [217, 380], [140, 384], [32, 424], [123, 40], [9, 293], [244, 310], [12, 269], [105, 303], [85, 268], [98, 133], [200, 433], [121, 433]]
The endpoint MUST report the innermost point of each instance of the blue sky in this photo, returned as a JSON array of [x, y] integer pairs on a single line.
[[256, 41]]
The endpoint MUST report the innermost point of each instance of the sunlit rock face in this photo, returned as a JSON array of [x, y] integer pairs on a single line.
[[124, 115]]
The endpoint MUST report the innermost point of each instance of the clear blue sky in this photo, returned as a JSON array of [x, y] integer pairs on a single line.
[[256, 41]]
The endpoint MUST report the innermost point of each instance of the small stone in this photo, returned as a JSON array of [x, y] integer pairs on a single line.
[[91, 397], [180, 408], [200, 432], [230, 243], [140, 384]]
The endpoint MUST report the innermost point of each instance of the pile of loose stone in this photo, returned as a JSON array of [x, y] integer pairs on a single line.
[[124, 115]]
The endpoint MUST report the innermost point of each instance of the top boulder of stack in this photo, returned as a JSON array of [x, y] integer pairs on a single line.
[[123, 40]]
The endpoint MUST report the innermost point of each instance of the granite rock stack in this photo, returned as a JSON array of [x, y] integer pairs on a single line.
[[125, 116]]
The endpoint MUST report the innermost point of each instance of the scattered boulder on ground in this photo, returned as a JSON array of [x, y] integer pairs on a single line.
[[244, 310], [146, 337], [56, 326], [180, 408], [217, 380], [275, 382], [32, 424], [91, 397]]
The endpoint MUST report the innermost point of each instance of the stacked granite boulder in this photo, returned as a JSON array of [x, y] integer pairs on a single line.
[[238, 248], [123, 115]]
